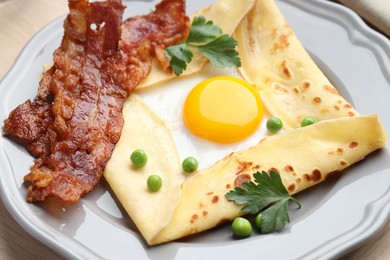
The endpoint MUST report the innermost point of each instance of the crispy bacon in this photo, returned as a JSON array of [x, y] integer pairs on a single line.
[[166, 26], [35, 117], [81, 98], [30, 121], [79, 143]]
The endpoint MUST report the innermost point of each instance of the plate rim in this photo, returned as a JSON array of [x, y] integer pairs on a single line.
[[380, 207]]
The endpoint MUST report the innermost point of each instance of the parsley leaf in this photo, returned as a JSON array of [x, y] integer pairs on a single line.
[[221, 52], [203, 31], [268, 196], [207, 39], [180, 56]]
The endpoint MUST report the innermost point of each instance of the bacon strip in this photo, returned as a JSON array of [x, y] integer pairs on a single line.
[[83, 94], [79, 145]]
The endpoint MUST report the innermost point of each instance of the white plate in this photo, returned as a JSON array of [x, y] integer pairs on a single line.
[[336, 216]]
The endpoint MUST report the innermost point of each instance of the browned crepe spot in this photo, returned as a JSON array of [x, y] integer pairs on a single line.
[[242, 178], [353, 144], [343, 163], [243, 166], [331, 89], [317, 100], [280, 89], [286, 70], [316, 175], [291, 188], [283, 39], [306, 84], [194, 218], [288, 168]]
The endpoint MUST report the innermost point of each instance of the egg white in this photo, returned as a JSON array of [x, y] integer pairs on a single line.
[[167, 101]]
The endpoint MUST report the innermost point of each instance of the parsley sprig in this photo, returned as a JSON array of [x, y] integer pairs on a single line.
[[268, 196], [209, 40]]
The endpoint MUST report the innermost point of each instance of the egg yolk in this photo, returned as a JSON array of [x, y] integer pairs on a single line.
[[223, 109]]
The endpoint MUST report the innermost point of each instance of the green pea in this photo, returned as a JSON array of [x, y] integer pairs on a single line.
[[154, 183], [241, 227], [308, 120], [259, 221], [190, 164], [274, 124], [139, 158]]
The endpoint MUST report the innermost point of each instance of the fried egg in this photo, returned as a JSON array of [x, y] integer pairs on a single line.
[[223, 109], [210, 114]]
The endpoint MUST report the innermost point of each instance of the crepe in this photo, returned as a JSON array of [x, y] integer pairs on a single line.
[[289, 82], [227, 14], [302, 156], [150, 211], [318, 151]]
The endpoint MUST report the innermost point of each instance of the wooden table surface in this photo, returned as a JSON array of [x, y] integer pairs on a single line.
[[20, 20]]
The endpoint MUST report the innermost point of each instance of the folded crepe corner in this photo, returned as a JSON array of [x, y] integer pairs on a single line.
[[318, 151], [227, 14], [289, 82], [150, 211]]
